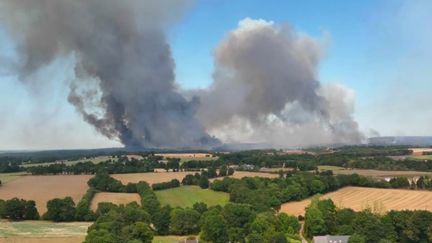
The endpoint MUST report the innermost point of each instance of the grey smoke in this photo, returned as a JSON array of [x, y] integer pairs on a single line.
[[124, 83], [265, 86], [266, 89]]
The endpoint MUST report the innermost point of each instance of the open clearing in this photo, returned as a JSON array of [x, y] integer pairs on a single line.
[[42, 232], [116, 198], [185, 155], [44, 188], [42, 228], [8, 177], [94, 160], [420, 151], [48, 232], [168, 239], [359, 198], [152, 177], [187, 196], [158, 177], [380, 174], [241, 174]]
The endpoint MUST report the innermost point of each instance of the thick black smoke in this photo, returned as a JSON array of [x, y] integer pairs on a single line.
[[124, 83]]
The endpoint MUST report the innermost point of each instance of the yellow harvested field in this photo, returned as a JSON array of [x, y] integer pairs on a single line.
[[185, 155], [152, 177], [134, 156], [360, 198], [158, 177], [241, 174], [420, 151], [116, 198], [381, 173], [25, 239], [41, 189]]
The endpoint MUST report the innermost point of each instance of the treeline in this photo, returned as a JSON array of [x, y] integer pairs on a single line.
[[361, 157], [112, 167], [166, 185], [322, 218], [57, 155], [231, 223], [10, 167], [18, 209], [378, 163], [264, 193]]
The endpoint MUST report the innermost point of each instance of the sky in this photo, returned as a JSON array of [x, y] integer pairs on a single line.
[[380, 49]]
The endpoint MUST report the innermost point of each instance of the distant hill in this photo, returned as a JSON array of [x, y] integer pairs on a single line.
[[402, 140]]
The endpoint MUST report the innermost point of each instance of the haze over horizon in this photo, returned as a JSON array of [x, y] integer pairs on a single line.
[[238, 72]]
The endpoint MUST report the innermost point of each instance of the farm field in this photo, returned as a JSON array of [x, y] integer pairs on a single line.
[[95, 160], [184, 155], [380, 174], [42, 228], [421, 157], [158, 177], [359, 198], [151, 178], [116, 198], [188, 156], [187, 196], [48, 232], [420, 151], [241, 174], [168, 239], [44, 188], [8, 177]]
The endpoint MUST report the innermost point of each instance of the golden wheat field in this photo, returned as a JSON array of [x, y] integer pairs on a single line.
[[359, 198], [185, 155], [116, 198], [41, 189], [158, 177], [151, 178]]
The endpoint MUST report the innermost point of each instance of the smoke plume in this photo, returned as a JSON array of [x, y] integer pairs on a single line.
[[124, 83], [265, 86], [266, 89]]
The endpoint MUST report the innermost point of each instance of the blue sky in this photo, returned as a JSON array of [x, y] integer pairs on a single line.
[[378, 48]]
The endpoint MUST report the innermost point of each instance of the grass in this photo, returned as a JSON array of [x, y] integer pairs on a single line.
[[8, 177], [95, 160], [42, 228], [187, 196], [168, 239], [329, 167], [420, 157], [182, 160]]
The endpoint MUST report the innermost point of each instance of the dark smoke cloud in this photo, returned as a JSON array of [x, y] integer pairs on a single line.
[[124, 83], [266, 89], [265, 85]]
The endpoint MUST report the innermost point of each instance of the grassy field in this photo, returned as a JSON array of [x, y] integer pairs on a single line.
[[8, 177], [379, 174], [151, 178], [49, 232], [186, 196], [168, 239], [42, 229], [329, 167], [420, 157], [116, 198], [95, 160], [360, 198], [44, 188]]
